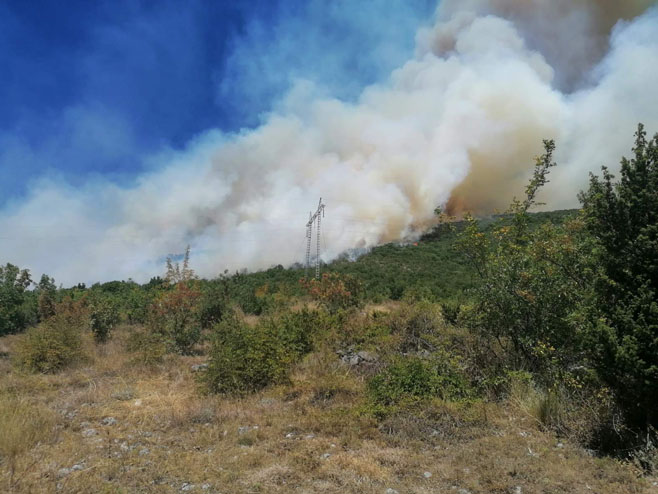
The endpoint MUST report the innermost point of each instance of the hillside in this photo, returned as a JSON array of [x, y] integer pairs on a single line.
[[365, 381], [165, 328], [429, 267]]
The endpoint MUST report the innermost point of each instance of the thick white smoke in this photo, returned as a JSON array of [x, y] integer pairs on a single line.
[[457, 125]]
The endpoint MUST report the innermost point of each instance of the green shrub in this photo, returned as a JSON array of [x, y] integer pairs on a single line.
[[335, 291], [531, 281], [174, 315], [411, 379], [13, 285], [244, 359], [57, 342], [149, 348], [360, 332], [295, 331], [46, 293], [213, 303], [103, 316], [136, 304], [450, 311], [417, 293], [50, 347], [417, 326], [622, 323]]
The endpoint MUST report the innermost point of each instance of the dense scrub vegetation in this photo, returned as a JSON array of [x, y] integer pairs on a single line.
[[556, 310]]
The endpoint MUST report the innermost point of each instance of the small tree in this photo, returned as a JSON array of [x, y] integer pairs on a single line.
[[103, 316], [57, 342], [47, 291], [245, 358], [175, 313], [177, 273], [335, 291], [13, 284], [531, 281]]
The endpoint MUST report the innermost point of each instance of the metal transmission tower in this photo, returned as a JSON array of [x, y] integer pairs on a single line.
[[309, 228], [312, 218]]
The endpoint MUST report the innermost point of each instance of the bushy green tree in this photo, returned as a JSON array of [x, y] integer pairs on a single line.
[[47, 293], [174, 315], [135, 304], [532, 280], [214, 302], [245, 358], [411, 379], [335, 291], [103, 316], [13, 285], [622, 216], [57, 342]]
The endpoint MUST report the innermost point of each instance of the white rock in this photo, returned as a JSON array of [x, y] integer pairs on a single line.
[[109, 421], [427, 475], [391, 491], [367, 356]]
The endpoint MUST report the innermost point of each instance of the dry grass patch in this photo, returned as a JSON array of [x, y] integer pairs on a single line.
[[23, 425], [309, 436]]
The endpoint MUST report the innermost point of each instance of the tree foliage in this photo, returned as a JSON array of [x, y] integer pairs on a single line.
[[334, 291], [103, 316], [174, 315], [177, 273], [622, 217], [532, 280], [47, 297], [13, 285], [57, 342]]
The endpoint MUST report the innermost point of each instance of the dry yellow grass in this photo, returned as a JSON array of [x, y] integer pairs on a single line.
[[302, 438]]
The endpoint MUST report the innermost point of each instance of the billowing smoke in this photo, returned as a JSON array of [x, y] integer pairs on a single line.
[[458, 126]]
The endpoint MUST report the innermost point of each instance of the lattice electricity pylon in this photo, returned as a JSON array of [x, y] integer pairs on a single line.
[[312, 218], [309, 228]]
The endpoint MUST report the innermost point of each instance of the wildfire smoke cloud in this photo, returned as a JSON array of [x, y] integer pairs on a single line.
[[457, 125]]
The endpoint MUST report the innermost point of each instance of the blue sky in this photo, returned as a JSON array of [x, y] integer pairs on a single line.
[[90, 90]]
